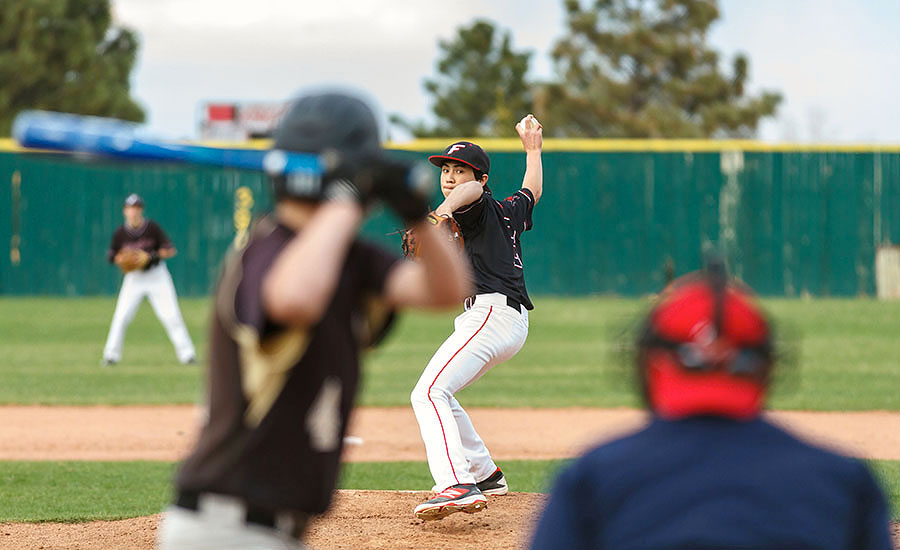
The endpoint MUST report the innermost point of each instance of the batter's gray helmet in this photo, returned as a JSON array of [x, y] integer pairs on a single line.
[[339, 126]]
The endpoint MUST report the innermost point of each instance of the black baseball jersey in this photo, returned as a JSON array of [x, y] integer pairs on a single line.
[[280, 396], [149, 237], [491, 231]]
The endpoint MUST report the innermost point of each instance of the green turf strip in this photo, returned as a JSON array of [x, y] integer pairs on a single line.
[[529, 476], [84, 491], [52, 348], [888, 473]]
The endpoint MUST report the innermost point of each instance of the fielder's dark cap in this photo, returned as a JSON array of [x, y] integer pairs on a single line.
[[332, 120], [466, 153], [134, 200]]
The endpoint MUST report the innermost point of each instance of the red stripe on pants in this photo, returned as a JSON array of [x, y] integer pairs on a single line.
[[447, 447]]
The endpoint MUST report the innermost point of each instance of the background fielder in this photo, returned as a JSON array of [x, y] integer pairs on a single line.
[[492, 328], [152, 281]]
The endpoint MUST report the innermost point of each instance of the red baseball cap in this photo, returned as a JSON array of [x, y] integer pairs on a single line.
[[706, 352], [465, 152]]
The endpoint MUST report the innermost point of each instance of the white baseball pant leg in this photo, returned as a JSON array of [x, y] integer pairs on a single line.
[[130, 296], [487, 334], [164, 300], [182, 529], [481, 465], [156, 284]]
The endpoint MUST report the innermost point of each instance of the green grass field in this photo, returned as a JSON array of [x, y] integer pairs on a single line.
[[51, 348], [86, 491]]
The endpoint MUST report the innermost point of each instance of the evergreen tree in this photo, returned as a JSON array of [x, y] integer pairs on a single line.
[[642, 69], [64, 55], [480, 88]]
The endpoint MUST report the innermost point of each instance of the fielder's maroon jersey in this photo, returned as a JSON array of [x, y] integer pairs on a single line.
[[280, 396], [149, 237], [491, 231]]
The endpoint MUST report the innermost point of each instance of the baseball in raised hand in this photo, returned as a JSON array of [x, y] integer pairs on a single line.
[[530, 132]]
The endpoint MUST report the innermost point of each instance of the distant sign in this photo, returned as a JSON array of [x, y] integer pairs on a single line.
[[223, 121]]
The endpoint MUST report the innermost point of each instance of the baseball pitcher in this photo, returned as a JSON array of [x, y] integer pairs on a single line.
[[492, 328], [139, 248]]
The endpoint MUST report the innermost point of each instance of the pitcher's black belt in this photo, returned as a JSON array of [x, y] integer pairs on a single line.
[[190, 500], [511, 302]]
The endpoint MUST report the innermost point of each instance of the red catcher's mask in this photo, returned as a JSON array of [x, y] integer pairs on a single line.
[[706, 349]]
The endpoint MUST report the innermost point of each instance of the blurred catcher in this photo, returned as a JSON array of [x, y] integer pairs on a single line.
[[139, 248], [708, 471], [293, 311]]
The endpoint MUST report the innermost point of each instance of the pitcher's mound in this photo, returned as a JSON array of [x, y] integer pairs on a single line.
[[358, 520], [384, 519]]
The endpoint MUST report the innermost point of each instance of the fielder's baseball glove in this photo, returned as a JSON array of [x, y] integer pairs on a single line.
[[410, 242], [131, 259]]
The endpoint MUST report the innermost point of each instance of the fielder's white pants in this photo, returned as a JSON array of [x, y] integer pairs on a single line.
[[156, 285], [219, 526], [487, 334]]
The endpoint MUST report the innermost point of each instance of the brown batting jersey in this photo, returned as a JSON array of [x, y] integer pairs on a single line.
[[149, 237], [280, 396]]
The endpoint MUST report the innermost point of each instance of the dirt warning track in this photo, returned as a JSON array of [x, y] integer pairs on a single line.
[[378, 434]]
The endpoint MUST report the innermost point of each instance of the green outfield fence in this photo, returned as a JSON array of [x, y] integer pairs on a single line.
[[616, 216]]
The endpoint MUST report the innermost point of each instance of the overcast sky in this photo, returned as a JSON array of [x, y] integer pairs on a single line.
[[837, 62]]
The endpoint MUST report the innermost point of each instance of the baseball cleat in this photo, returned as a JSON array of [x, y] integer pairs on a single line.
[[107, 362], [464, 497], [494, 485]]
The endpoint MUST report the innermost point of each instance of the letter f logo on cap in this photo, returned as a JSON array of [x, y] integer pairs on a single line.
[[466, 153]]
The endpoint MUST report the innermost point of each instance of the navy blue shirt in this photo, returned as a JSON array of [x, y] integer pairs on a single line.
[[491, 232], [703, 483]]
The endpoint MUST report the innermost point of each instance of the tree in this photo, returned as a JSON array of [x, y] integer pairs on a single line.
[[480, 88], [64, 55], [642, 69]]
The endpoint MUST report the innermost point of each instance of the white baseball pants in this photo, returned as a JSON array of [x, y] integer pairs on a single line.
[[156, 285], [218, 526], [487, 334]]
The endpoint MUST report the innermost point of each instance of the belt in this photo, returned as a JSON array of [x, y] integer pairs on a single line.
[[511, 302], [294, 526]]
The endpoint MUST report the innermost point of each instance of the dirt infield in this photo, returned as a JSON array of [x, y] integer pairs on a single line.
[[367, 519], [387, 434], [357, 520]]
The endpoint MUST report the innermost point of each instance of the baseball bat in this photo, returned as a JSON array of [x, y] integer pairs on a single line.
[[117, 138]]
